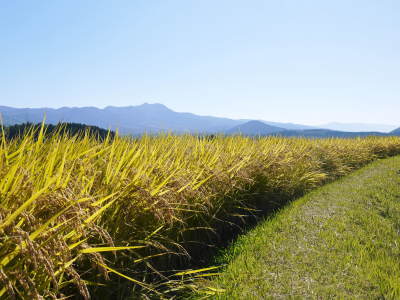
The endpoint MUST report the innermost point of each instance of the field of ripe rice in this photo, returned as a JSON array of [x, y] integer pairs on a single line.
[[123, 216]]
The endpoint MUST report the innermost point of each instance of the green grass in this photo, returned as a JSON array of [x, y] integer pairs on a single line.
[[339, 241]]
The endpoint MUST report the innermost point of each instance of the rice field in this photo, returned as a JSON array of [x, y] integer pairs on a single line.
[[119, 217]]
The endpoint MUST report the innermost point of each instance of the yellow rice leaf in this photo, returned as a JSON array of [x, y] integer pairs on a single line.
[[161, 185], [216, 290], [154, 232], [108, 249], [150, 256], [98, 212], [195, 271], [202, 182], [74, 245], [66, 265], [98, 202], [207, 275], [142, 284]]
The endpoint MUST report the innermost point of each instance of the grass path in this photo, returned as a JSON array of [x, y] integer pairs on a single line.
[[340, 241]]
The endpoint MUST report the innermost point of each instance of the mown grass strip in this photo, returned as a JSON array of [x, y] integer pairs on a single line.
[[340, 241]]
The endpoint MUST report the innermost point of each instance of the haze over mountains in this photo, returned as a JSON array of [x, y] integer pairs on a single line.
[[358, 127], [258, 128], [154, 118]]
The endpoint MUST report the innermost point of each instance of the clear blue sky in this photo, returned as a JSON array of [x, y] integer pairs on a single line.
[[303, 61]]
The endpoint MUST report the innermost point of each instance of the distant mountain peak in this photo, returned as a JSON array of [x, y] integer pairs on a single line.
[[158, 105], [254, 128], [396, 131], [256, 123], [152, 104]]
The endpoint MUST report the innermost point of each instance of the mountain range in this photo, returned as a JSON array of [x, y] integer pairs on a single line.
[[155, 118], [151, 118]]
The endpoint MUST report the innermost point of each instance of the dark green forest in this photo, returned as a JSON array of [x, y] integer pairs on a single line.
[[71, 129]]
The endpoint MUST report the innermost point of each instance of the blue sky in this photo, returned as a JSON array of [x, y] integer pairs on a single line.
[[303, 61]]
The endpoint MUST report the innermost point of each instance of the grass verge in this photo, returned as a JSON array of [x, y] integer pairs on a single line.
[[341, 240]]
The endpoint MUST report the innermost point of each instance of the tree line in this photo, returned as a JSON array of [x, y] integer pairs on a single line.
[[71, 129]]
